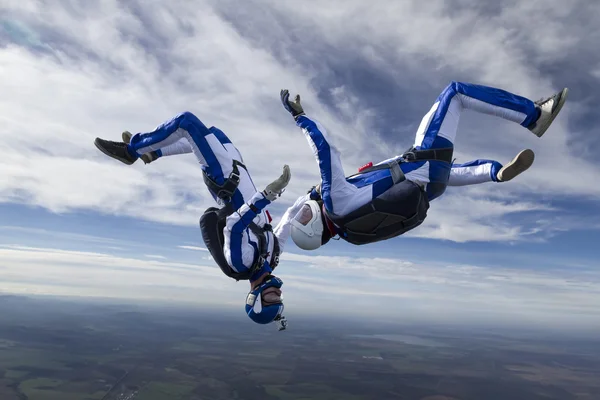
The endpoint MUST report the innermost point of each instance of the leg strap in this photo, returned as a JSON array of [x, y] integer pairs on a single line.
[[227, 189]]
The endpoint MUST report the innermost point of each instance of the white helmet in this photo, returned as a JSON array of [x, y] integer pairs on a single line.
[[307, 226]]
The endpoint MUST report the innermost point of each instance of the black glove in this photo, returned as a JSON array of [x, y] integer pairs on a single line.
[[315, 192], [293, 107]]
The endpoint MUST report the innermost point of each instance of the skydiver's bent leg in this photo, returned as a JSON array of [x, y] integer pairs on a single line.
[[481, 171], [439, 126], [213, 149], [474, 172], [338, 195], [182, 146], [211, 146], [184, 126]]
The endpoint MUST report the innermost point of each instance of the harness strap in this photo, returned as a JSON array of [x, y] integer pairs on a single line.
[[225, 192], [261, 234], [396, 172], [393, 166], [443, 154], [227, 189]]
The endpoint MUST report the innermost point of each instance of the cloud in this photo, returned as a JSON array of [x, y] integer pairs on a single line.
[[54, 167], [193, 248], [360, 287], [29, 269], [58, 234], [77, 73], [447, 292], [485, 221]]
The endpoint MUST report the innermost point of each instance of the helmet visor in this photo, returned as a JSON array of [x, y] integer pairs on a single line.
[[305, 215]]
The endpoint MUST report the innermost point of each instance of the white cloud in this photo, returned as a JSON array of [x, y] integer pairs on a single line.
[[64, 272], [193, 248], [58, 167], [58, 234], [341, 285], [81, 75], [488, 49]]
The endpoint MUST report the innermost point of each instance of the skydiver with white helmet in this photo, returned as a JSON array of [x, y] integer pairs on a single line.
[[390, 198], [238, 235]]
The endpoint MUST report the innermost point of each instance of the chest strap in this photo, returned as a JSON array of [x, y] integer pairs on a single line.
[[411, 155], [393, 166]]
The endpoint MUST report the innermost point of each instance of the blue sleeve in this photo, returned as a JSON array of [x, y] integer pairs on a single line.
[[334, 186]]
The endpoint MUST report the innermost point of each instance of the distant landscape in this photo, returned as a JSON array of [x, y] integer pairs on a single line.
[[82, 350]]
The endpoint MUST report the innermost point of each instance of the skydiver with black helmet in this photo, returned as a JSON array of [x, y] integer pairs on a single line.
[[390, 198]]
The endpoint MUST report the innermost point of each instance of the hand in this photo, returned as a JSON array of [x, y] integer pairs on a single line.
[[275, 188], [293, 107]]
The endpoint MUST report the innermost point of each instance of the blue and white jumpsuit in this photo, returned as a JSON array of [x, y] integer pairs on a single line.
[[185, 133], [342, 195]]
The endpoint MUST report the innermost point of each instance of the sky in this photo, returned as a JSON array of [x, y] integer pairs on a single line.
[[75, 222]]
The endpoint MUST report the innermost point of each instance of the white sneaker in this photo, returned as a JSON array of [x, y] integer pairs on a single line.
[[549, 110], [517, 166]]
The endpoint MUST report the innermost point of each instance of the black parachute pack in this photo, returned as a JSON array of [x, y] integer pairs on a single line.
[[212, 223], [401, 208]]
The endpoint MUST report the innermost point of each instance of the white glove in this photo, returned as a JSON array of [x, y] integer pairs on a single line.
[[275, 188]]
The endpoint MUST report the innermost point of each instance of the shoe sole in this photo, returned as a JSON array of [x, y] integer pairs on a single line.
[[102, 149], [126, 137], [561, 102], [518, 165]]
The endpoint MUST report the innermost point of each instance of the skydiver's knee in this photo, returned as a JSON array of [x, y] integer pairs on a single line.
[[188, 115], [189, 118], [452, 87]]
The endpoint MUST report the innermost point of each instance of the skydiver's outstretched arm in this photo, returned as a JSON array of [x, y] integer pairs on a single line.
[[481, 171], [336, 192], [240, 251]]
